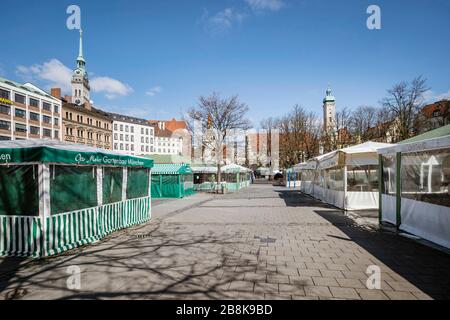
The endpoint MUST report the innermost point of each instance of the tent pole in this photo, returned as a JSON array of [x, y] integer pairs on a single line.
[[380, 188], [99, 186], [399, 191], [124, 183], [44, 202]]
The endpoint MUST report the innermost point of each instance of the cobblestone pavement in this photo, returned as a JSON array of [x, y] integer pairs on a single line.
[[262, 243]]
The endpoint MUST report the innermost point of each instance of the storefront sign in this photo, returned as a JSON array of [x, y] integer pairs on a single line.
[[98, 160], [4, 157], [6, 101]]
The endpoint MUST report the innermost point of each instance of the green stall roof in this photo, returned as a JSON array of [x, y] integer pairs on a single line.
[[171, 169], [436, 133], [49, 151]]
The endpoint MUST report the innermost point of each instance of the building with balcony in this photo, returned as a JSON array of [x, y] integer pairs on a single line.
[[28, 112]]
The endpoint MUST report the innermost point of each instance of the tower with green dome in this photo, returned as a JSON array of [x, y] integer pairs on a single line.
[[80, 80], [329, 111]]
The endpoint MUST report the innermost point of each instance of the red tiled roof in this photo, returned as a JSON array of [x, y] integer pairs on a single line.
[[442, 106]]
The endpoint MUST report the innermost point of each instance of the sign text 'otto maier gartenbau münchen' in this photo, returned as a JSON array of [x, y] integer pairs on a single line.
[[79, 158]]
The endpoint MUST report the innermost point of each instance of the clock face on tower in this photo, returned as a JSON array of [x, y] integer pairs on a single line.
[[78, 101]]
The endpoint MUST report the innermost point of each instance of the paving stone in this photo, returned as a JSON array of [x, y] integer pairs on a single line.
[[344, 293], [327, 282], [367, 294], [351, 283], [400, 295], [318, 291]]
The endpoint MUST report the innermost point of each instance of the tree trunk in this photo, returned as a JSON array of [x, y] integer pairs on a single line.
[[219, 178]]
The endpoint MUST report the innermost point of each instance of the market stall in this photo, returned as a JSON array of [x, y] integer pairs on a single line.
[[205, 177], [415, 193], [172, 181], [236, 177], [346, 178], [56, 196]]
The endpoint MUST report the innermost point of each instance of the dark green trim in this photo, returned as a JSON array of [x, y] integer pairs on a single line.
[[380, 188], [47, 154], [399, 189]]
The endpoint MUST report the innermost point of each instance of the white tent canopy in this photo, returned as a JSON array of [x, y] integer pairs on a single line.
[[416, 186], [346, 178]]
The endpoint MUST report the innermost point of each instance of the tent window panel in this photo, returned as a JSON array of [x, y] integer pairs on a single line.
[[72, 188], [362, 178], [389, 175], [137, 183], [334, 179], [425, 176], [19, 194], [112, 184]]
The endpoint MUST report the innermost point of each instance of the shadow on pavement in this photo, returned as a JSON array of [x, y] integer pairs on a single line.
[[426, 268]]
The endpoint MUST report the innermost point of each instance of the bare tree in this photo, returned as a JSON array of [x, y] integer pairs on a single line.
[[404, 101], [213, 120], [362, 120]]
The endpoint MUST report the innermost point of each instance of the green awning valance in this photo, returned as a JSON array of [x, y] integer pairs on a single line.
[[47, 151]]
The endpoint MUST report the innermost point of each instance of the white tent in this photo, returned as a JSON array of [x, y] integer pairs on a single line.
[[347, 178], [415, 186]]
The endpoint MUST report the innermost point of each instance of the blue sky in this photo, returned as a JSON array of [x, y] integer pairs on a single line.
[[154, 58]]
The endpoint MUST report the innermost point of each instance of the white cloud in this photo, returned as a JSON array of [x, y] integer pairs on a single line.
[[272, 5], [53, 73], [430, 96], [223, 20], [154, 91], [111, 87]]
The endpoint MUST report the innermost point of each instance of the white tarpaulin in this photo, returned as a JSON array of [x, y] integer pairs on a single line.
[[423, 174], [346, 178]]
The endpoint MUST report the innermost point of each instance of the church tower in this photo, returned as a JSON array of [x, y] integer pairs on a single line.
[[80, 80], [329, 111]]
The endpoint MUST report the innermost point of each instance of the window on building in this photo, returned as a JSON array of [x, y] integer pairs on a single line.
[[121, 137], [47, 133], [21, 127], [132, 147], [46, 106], [34, 130], [126, 147], [146, 149], [34, 116], [121, 127], [56, 134], [126, 128], [132, 138], [132, 129], [19, 98], [56, 108], [5, 125], [142, 139], [3, 138], [56, 122], [116, 136], [47, 119], [142, 130], [19, 113], [5, 109], [115, 146], [142, 148], [34, 103], [4, 94], [121, 146], [115, 126], [126, 137]]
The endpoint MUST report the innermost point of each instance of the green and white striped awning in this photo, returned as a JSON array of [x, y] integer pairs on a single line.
[[171, 169]]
